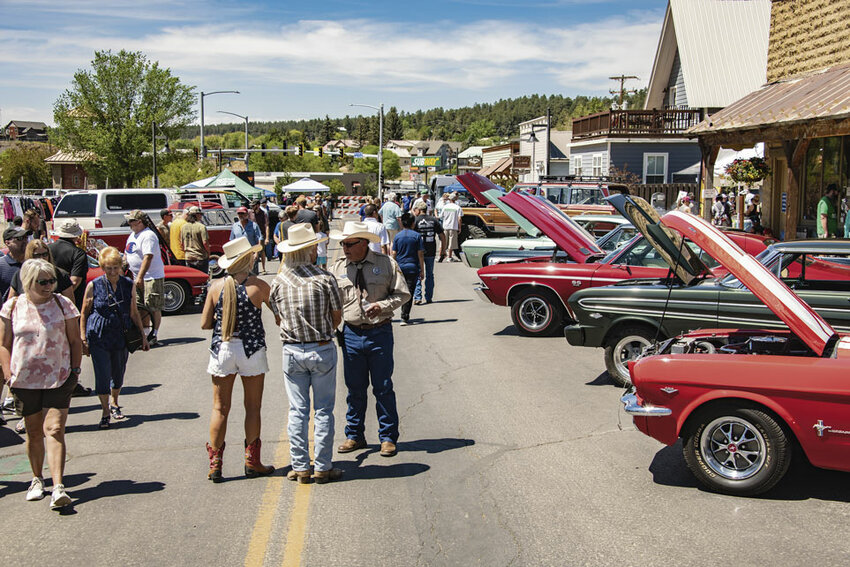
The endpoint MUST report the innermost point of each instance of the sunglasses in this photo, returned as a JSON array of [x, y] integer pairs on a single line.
[[350, 244], [48, 281], [44, 254]]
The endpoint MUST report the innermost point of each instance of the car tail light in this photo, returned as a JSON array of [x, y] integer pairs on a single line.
[[97, 223]]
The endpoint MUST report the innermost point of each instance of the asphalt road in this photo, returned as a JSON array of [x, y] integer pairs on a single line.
[[513, 451]]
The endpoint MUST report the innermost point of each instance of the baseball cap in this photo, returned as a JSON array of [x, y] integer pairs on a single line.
[[193, 210], [136, 215], [242, 210], [14, 232]]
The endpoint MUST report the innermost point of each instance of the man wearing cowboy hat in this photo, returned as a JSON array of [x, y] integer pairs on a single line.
[[372, 287], [308, 303], [69, 257]]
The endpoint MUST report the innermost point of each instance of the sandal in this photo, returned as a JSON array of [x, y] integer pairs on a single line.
[[116, 412], [21, 426], [104, 422]]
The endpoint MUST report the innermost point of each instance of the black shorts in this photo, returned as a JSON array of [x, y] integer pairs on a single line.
[[33, 401]]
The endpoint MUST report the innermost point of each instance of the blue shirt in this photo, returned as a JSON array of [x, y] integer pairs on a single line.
[[407, 245], [251, 231], [390, 214]]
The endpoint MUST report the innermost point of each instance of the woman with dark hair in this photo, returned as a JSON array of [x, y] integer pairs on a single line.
[[40, 352], [109, 307], [233, 310]]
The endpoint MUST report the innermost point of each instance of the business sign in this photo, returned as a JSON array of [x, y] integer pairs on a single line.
[[425, 161], [522, 162]]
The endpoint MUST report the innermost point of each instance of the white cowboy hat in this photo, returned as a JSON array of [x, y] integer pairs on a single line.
[[68, 229], [299, 236], [235, 249], [354, 229]]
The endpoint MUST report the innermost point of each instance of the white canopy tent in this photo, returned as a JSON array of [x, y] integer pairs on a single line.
[[305, 185]]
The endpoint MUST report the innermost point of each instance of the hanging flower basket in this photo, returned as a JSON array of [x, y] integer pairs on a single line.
[[748, 171]]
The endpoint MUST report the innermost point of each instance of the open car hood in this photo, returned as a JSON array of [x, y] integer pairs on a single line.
[[492, 195], [477, 185], [793, 311], [554, 223], [668, 243]]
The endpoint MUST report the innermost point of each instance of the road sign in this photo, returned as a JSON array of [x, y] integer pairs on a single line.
[[425, 161]]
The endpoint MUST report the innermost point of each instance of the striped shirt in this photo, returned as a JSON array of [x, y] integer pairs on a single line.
[[303, 297]]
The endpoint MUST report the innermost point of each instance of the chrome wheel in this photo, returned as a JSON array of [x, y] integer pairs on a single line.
[[733, 447], [214, 270], [628, 348], [174, 296], [535, 313]]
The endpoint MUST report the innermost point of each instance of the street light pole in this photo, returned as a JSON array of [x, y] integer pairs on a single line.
[[380, 144], [153, 141], [532, 139], [245, 118], [203, 94]]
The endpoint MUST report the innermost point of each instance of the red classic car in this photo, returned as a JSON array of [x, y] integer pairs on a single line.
[[537, 290], [743, 401]]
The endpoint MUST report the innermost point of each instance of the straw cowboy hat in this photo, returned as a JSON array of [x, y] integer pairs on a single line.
[[299, 236], [68, 229], [354, 229], [236, 249]]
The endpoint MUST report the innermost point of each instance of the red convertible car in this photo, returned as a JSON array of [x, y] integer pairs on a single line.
[[744, 401], [537, 290]]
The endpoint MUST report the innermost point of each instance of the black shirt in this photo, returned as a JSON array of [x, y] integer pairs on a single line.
[[63, 282], [8, 269], [74, 261], [429, 227]]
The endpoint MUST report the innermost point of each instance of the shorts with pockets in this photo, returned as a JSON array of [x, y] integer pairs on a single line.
[[152, 299], [33, 401], [231, 359]]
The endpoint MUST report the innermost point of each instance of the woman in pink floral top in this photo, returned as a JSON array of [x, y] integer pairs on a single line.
[[40, 350]]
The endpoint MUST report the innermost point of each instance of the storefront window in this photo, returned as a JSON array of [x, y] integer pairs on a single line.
[[827, 161]]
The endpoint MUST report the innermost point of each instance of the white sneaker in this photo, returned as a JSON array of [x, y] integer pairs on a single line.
[[60, 498], [36, 490], [403, 323]]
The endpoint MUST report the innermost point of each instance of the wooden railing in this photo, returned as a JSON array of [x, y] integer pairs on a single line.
[[671, 122]]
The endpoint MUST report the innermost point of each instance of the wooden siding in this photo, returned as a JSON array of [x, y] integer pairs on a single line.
[[677, 80], [807, 35], [629, 157]]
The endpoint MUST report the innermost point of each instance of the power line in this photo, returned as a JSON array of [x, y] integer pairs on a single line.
[[622, 91]]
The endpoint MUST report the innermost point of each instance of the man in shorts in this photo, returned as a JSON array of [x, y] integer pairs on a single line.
[[145, 260]]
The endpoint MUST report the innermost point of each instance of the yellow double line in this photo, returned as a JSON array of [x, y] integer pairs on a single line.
[[295, 535]]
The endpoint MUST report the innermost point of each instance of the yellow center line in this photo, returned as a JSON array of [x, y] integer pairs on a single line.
[[295, 536]]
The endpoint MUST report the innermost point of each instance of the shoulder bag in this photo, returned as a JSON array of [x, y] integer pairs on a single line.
[[133, 337]]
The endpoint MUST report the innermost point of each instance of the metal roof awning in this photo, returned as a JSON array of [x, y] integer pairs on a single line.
[[820, 96], [500, 167]]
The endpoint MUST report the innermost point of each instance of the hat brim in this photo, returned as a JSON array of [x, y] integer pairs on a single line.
[[224, 262], [284, 247], [340, 235], [63, 234]]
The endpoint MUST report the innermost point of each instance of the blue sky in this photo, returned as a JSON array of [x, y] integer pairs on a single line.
[[305, 59]]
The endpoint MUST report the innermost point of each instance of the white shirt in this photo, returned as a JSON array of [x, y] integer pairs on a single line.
[[450, 216], [377, 228], [439, 207], [137, 247]]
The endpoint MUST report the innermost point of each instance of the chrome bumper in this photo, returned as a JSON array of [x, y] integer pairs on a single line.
[[630, 403], [479, 291]]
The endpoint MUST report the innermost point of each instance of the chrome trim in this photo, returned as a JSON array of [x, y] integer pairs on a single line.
[[533, 283], [479, 291], [632, 407]]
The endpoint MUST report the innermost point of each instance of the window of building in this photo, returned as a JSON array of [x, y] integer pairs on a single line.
[[577, 166], [597, 165], [655, 168], [827, 161]]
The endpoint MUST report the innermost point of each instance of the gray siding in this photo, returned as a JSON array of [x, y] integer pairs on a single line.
[[585, 155], [629, 156], [677, 80]]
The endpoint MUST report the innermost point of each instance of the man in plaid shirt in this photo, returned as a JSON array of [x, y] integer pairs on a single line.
[[307, 300]]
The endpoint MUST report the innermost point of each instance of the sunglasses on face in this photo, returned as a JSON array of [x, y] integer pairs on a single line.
[[44, 254], [47, 281], [350, 244]]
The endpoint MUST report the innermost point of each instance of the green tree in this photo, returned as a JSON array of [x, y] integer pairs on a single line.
[[111, 108], [392, 166], [27, 161], [184, 169], [336, 186], [393, 127], [327, 131]]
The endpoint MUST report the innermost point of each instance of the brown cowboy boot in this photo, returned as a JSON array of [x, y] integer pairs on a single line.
[[253, 466], [215, 462]]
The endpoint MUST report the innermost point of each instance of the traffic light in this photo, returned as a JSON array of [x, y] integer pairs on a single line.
[[320, 151], [300, 151], [263, 146]]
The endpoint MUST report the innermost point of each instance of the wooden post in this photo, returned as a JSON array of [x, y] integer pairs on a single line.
[[795, 153], [709, 157]]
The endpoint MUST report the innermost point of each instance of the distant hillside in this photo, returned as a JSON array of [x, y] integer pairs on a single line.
[[482, 121]]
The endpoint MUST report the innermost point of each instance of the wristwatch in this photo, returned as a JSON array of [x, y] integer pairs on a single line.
[[76, 370]]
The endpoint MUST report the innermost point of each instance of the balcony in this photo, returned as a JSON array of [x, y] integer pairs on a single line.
[[635, 123]]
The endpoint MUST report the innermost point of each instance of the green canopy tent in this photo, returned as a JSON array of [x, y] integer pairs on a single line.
[[229, 179]]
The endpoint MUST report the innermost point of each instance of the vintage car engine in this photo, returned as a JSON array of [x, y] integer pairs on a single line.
[[730, 344]]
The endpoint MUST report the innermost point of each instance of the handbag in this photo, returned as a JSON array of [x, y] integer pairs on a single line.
[[133, 337]]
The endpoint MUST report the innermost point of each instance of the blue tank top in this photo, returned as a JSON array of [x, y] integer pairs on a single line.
[[249, 324], [104, 328]]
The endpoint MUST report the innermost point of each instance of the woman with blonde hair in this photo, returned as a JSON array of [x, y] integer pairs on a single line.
[[40, 352], [38, 249], [233, 310], [109, 307]]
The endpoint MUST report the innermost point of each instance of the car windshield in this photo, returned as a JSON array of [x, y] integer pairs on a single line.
[[617, 238], [639, 252], [80, 205]]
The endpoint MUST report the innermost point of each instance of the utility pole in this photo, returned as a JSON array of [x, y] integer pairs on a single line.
[[622, 91]]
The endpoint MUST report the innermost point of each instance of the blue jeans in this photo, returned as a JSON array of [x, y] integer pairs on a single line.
[[368, 358], [304, 366], [429, 281], [109, 366]]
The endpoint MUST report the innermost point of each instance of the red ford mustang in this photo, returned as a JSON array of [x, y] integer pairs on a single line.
[[743, 401], [537, 290]]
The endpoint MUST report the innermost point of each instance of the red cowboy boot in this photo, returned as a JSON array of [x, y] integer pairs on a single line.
[[215, 462], [253, 466]]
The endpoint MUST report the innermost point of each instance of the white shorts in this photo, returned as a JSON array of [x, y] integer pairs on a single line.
[[231, 359]]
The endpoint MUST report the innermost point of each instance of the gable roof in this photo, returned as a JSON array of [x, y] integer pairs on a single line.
[[722, 46], [23, 124]]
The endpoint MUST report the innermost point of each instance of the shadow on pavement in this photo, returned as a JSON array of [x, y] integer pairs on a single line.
[[178, 341], [8, 437], [108, 489], [144, 388], [450, 300], [434, 445], [509, 331], [133, 421], [603, 379], [420, 321], [352, 471]]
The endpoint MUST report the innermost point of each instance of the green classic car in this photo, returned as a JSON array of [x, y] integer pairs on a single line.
[[628, 316]]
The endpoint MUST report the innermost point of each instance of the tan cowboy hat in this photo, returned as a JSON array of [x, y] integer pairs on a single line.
[[354, 229], [235, 249], [68, 229], [299, 236]]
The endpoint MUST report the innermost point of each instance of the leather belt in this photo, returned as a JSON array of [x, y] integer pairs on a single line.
[[320, 343], [367, 326]]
